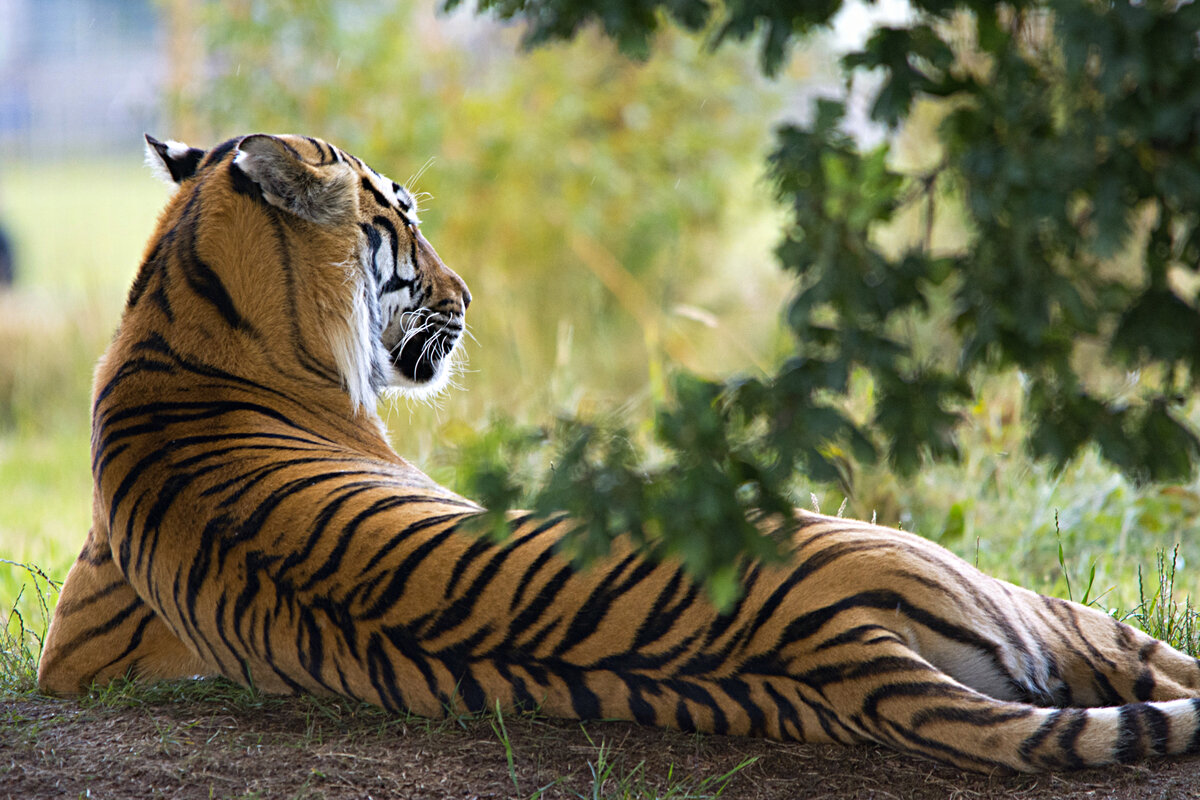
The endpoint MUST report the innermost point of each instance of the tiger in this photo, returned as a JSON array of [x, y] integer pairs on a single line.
[[251, 521]]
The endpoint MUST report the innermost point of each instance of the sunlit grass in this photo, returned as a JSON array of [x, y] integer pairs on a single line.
[[80, 227], [24, 620], [78, 230]]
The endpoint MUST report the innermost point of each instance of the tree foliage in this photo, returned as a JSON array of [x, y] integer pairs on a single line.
[[1071, 140]]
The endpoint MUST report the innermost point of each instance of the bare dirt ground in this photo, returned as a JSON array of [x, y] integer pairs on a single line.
[[304, 748]]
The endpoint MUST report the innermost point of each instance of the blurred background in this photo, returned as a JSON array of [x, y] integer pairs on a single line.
[[611, 218]]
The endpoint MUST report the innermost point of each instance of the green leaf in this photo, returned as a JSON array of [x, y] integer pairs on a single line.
[[1160, 327]]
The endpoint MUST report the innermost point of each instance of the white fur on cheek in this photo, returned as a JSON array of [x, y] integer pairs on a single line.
[[353, 342]]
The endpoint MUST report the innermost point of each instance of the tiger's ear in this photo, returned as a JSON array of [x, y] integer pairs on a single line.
[[326, 194], [172, 162]]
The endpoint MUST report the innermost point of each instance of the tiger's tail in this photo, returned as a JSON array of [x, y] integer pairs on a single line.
[[914, 706]]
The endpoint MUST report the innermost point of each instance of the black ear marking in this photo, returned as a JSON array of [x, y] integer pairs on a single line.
[[174, 162]]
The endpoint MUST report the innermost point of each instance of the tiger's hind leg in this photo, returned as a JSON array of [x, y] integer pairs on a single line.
[[1102, 661], [101, 630]]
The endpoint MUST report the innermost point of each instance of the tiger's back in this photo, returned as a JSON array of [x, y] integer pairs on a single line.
[[250, 520]]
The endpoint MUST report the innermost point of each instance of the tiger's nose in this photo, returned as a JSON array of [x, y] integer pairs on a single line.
[[466, 298]]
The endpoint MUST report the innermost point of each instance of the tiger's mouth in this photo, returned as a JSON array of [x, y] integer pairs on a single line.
[[420, 345]]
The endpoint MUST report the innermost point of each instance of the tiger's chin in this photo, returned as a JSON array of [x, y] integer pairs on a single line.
[[423, 356], [424, 370], [401, 384]]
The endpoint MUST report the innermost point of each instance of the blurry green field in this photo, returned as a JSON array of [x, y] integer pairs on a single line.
[[78, 250], [78, 231]]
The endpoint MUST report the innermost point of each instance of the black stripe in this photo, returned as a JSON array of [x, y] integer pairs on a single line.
[[522, 698], [807, 625], [1158, 728], [584, 701], [470, 691], [382, 675], [300, 349], [975, 715], [822, 676], [527, 578], [395, 587], [155, 343], [808, 566], [1143, 687], [412, 528], [461, 609], [399, 190], [924, 690], [402, 639], [149, 264], [904, 738], [683, 717], [641, 709], [214, 530], [341, 494], [737, 691], [164, 413], [593, 609], [531, 571], [856, 635], [1142, 731], [477, 548], [250, 526], [1067, 611], [255, 565], [702, 697], [724, 620], [367, 185], [1128, 746], [1193, 745], [204, 280], [286, 460], [133, 642], [220, 151], [131, 477], [474, 551], [1033, 741], [786, 713], [374, 242], [310, 645], [663, 618], [529, 615], [320, 146], [168, 491], [107, 626]]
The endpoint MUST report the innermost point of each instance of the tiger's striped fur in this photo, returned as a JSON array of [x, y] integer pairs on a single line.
[[250, 520]]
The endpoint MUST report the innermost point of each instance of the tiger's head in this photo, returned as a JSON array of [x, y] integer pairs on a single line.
[[293, 239]]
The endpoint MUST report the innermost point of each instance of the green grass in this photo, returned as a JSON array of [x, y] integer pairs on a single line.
[[80, 227], [78, 231], [1160, 613], [611, 778], [23, 623]]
